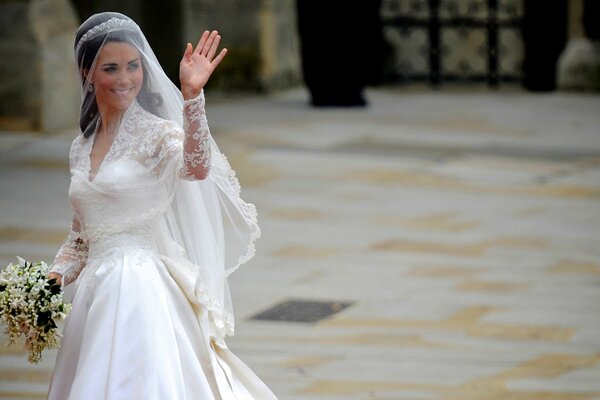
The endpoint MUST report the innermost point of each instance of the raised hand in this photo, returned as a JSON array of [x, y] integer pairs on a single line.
[[198, 64]]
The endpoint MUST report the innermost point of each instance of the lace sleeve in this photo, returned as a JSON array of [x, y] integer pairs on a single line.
[[71, 256], [196, 145]]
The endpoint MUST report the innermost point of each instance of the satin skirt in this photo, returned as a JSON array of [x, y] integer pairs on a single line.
[[132, 334]]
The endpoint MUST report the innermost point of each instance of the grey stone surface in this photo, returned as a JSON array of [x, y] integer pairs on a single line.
[[463, 226]]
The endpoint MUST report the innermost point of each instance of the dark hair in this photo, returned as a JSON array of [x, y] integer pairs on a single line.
[[89, 116]]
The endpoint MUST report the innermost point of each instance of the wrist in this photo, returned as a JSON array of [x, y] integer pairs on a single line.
[[190, 93]]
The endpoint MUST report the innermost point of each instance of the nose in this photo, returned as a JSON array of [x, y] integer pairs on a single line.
[[123, 77]]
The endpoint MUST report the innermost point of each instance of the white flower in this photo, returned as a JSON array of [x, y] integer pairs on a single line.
[[29, 306]]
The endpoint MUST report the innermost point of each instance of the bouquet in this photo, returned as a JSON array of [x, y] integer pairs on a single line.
[[30, 305]]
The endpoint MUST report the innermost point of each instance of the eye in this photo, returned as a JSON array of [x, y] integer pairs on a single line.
[[134, 66], [109, 69]]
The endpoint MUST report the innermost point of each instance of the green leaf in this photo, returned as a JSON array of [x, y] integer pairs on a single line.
[[43, 318], [51, 325], [55, 288]]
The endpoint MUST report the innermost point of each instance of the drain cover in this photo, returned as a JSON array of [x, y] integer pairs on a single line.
[[302, 311]]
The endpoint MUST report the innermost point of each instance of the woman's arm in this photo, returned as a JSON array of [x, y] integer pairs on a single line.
[[195, 68], [71, 257], [196, 144]]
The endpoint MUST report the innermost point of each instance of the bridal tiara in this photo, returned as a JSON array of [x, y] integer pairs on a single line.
[[112, 25]]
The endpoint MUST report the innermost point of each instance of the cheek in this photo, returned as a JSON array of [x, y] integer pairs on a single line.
[[103, 81]]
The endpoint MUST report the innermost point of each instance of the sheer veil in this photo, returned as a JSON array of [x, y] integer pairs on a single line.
[[204, 230]]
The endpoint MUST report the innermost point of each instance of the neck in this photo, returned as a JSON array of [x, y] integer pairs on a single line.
[[111, 119]]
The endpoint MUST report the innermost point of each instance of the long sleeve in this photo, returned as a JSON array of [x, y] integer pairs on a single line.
[[196, 144], [72, 255]]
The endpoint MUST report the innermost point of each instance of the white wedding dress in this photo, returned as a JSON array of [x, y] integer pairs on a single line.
[[139, 328]]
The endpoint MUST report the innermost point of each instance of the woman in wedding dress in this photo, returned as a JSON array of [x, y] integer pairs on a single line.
[[158, 225]]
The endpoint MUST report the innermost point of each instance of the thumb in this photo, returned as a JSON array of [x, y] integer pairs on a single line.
[[188, 52]]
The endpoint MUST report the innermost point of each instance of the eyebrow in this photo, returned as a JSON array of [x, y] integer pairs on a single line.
[[115, 64]]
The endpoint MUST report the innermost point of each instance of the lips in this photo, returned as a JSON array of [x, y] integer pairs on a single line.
[[122, 92]]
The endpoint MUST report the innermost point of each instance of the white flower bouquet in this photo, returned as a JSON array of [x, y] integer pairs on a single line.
[[30, 305]]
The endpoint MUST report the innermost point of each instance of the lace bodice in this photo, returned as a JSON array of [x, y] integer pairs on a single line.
[[133, 184]]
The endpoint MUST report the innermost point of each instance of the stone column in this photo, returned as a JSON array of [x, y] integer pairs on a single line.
[[278, 44], [39, 88], [579, 63]]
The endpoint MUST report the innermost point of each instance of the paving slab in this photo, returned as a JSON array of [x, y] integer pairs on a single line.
[[462, 228]]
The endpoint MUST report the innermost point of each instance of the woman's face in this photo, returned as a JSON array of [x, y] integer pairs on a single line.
[[118, 76]]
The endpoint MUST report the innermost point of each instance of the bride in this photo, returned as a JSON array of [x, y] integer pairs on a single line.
[[158, 225]]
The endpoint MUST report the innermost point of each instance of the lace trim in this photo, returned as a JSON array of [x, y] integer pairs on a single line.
[[138, 223], [197, 149], [222, 322], [250, 215], [162, 140], [141, 137], [71, 258], [112, 25]]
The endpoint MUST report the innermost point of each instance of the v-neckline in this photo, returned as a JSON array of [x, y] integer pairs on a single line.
[[126, 115], [91, 164]]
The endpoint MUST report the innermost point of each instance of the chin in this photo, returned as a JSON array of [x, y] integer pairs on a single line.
[[123, 102]]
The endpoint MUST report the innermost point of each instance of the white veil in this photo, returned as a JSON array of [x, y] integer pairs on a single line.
[[205, 230]]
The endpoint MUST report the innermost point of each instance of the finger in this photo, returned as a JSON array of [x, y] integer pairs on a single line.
[[204, 50], [213, 47], [187, 54], [201, 42], [208, 43], [219, 58]]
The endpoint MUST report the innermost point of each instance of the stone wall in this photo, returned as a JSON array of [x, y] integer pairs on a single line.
[[38, 80]]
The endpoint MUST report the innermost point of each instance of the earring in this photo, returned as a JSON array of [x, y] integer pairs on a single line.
[[91, 88]]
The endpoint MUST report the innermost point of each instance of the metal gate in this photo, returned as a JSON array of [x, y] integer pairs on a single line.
[[455, 40]]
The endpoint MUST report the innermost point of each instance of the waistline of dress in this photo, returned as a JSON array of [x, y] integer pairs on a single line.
[[101, 243]]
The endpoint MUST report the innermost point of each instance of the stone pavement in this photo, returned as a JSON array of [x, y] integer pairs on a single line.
[[463, 228]]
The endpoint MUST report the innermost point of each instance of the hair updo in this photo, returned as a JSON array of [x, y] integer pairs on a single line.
[[86, 53]]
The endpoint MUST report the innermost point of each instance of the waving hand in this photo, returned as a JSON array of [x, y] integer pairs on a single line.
[[198, 64]]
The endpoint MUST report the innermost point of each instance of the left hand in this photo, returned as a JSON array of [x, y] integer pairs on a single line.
[[58, 277], [198, 64]]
